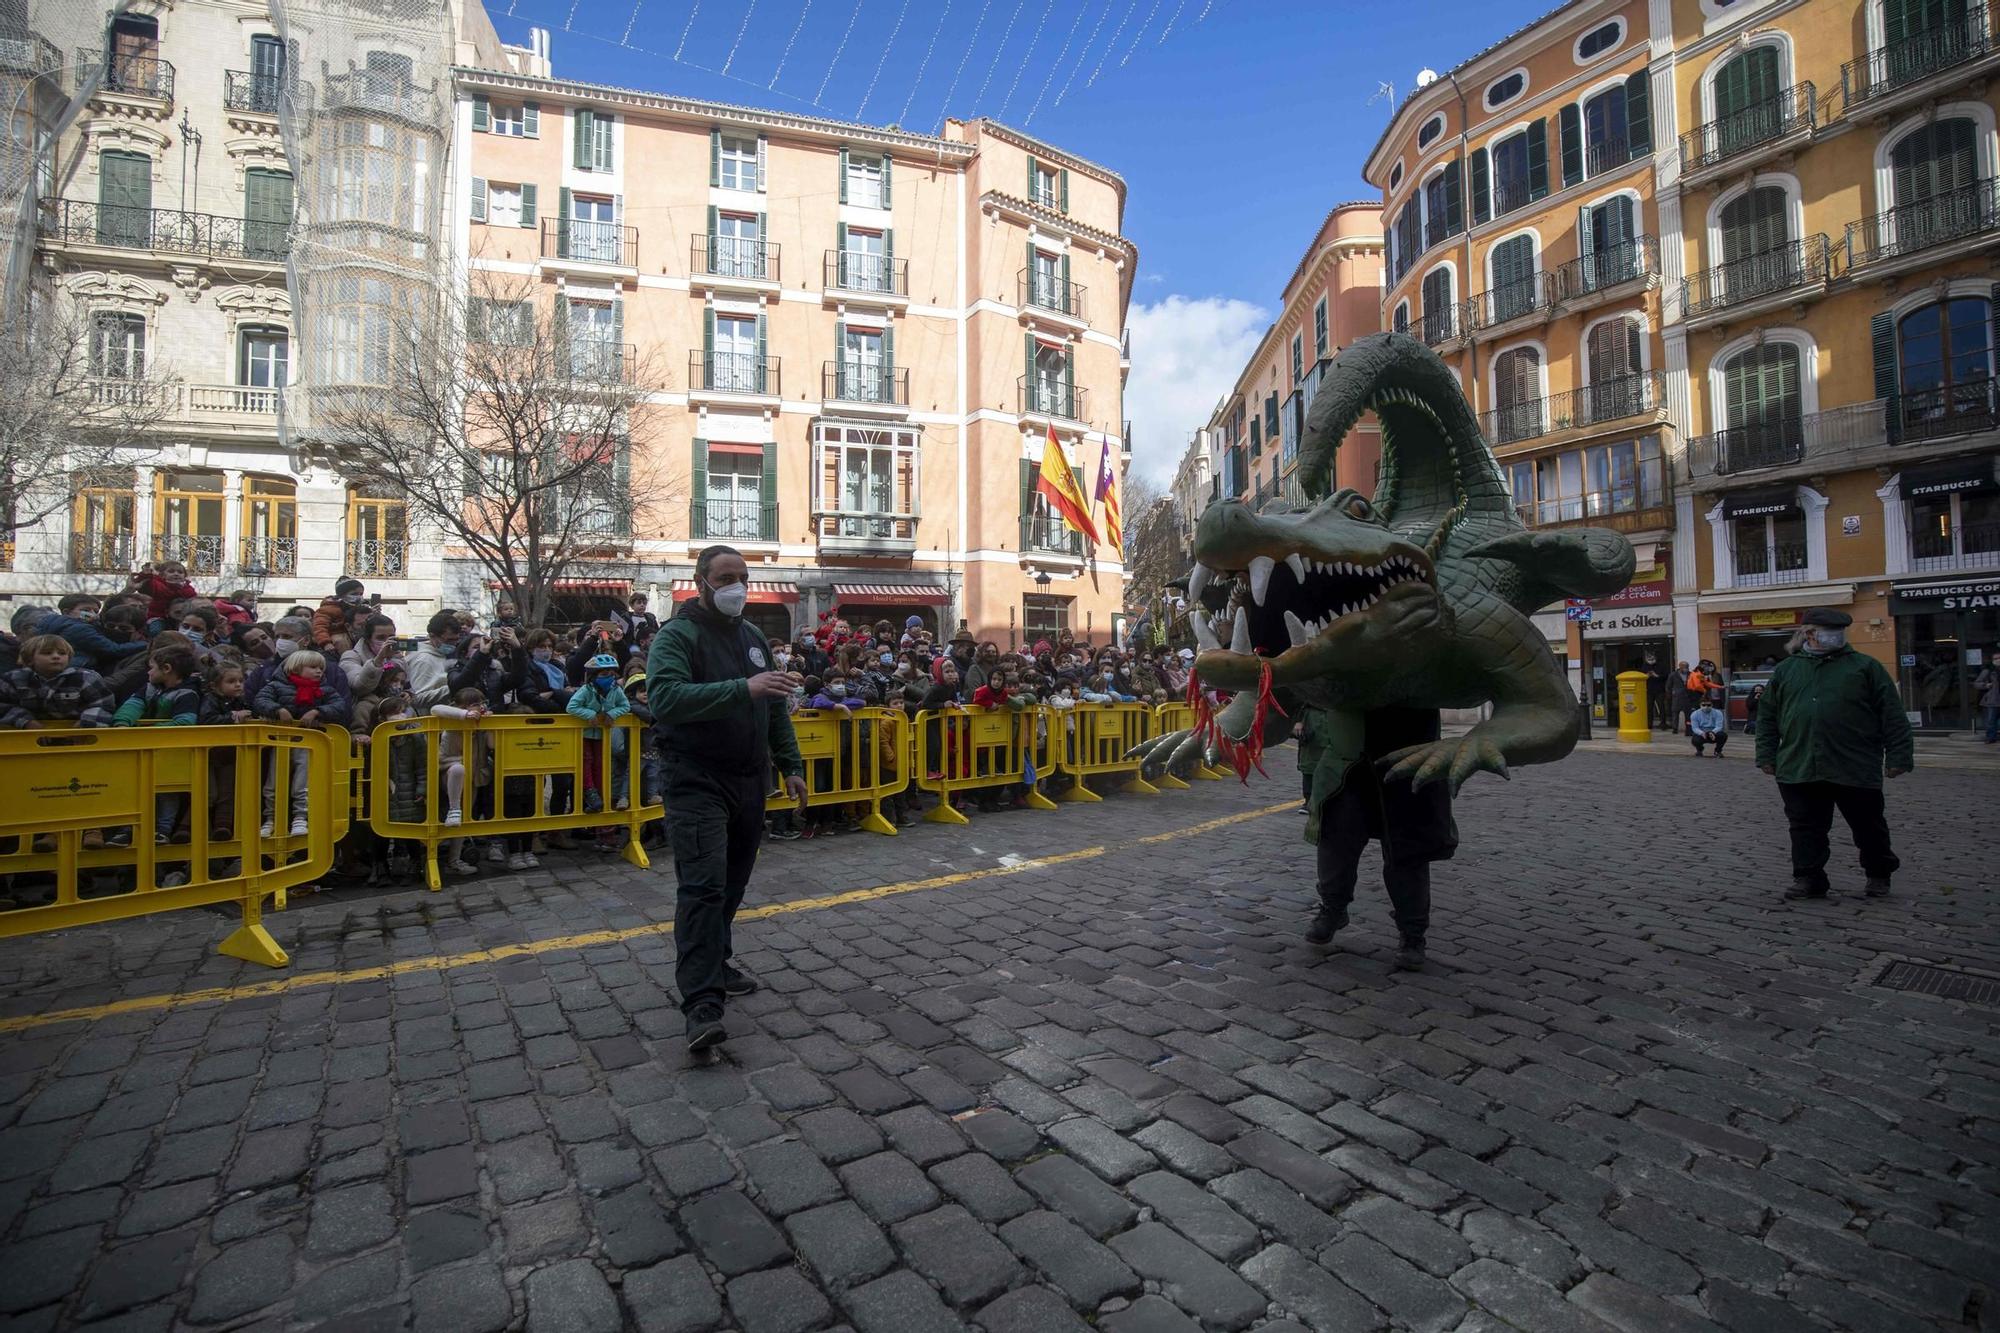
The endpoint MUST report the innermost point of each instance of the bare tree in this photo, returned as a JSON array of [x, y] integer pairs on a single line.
[[1154, 549], [77, 403], [513, 422]]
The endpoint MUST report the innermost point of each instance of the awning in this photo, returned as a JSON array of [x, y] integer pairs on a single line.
[[1794, 595], [1757, 503], [619, 586], [766, 593], [1952, 475], [902, 594]]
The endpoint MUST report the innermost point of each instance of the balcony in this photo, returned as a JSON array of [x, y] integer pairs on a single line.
[[1629, 509], [1606, 154], [594, 361], [1528, 301], [863, 384], [1819, 439], [865, 532], [382, 94], [1511, 196], [29, 55], [130, 75], [1759, 132], [232, 401], [1793, 272], [581, 241], [858, 273], [1607, 274], [1920, 66], [733, 520], [1617, 399], [1947, 549], [1055, 399], [200, 554], [372, 558], [164, 231], [1043, 534], [102, 552], [1945, 411], [1438, 328], [734, 261], [1945, 225], [143, 396], [734, 374], [1046, 292], [243, 90], [266, 556], [1778, 565]]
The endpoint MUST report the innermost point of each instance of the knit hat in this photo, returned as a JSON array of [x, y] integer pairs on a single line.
[[346, 586]]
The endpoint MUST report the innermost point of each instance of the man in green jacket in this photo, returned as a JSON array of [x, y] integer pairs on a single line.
[[719, 711], [1829, 728]]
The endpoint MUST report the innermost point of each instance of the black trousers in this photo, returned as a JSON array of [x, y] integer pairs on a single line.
[[1809, 808], [714, 821], [1343, 833], [1720, 739]]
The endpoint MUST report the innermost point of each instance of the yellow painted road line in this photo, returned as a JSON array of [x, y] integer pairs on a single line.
[[564, 943]]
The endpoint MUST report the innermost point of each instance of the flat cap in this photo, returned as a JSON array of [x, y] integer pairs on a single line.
[[1828, 616]]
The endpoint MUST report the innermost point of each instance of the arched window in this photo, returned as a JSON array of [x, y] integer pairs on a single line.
[[1514, 288], [1607, 237], [1933, 161], [1747, 108], [1605, 131], [1401, 322], [1517, 395], [1762, 411], [1945, 362], [1440, 312], [1617, 379], [1920, 36], [1757, 256]]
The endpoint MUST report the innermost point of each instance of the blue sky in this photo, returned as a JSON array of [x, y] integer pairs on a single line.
[[1236, 123]]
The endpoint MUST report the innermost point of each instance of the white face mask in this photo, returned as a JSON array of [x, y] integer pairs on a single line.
[[732, 599], [1824, 639]]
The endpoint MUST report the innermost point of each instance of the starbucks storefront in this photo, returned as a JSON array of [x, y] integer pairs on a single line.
[[1947, 632]]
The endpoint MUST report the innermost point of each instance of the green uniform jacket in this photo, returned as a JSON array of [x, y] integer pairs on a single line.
[[1833, 718], [677, 695]]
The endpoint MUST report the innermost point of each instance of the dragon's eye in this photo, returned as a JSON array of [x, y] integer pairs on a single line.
[[1359, 508]]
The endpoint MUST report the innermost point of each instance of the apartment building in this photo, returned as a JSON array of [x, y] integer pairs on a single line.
[[1332, 298], [1524, 247], [164, 212], [862, 340], [1835, 172]]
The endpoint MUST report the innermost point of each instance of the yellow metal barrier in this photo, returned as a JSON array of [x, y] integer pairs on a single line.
[[1095, 741], [853, 756], [547, 756], [133, 789], [1179, 717], [975, 749]]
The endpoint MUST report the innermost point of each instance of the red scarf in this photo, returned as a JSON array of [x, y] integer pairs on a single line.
[[306, 693]]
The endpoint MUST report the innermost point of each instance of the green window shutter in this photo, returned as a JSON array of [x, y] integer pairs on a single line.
[[714, 156], [767, 494], [707, 346], [1882, 338], [1027, 495], [709, 252], [888, 175], [618, 319], [763, 383], [1068, 292], [843, 175], [562, 220], [1031, 266], [529, 197], [1454, 200], [1639, 114], [562, 332], [476, 205], [698, 489], [889, 351], [482, 115], [1586, 233], [125, 180], [1029, 340], [606, 122], [1482, 201], [763, 243], [1069, 377], [1538, 159], [1569, 124], [531, 120], [580, 148], [889, 256], [1062, 188], [763, 182], [840, 358], [1031, 178]]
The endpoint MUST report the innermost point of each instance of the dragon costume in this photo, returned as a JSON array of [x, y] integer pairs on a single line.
[[1418, 598]]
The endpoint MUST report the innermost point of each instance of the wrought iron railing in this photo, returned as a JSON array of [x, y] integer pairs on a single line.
[[251, 90], [1770, 272], [596, 361], [1795, 108], [1923, 224], [29, 55], [733, 372], [1916, 57], [1442, 325], [171, 230], [1525, 296], [1782, 563], [1513, 194], [734, 257], [1965, 408], [860, 382], [1046, 534], [269, 555], [200, 554], [102, 552], [1965, 546], [588, 241], [134, 75], [374, 557], [1781, 440], [742, 520], [1615, 399], [1049, 398], [858, 271], [1048, 291], [1606, 154], [1630, 259]]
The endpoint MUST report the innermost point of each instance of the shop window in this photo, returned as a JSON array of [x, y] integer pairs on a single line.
[[1960, 530]]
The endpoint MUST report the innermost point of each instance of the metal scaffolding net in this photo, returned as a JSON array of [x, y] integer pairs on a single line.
[[366, 114]]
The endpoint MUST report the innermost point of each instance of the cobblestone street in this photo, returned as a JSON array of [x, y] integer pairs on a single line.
[[1047, 1072]]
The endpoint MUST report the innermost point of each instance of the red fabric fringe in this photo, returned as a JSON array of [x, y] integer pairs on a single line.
[[1247, 753]]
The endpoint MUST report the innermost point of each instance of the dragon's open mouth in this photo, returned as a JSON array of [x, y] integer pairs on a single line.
[[1283, 600]]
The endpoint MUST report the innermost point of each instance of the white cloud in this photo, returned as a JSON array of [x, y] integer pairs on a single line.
[[1186, 352]]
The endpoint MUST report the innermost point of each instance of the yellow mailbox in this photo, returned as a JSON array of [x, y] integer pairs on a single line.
[[1632, 719]]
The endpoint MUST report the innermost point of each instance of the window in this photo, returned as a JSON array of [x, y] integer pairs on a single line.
[[1045, 617], [864, 260], [1051, 382], [1604, 129], [591, 144], [1506, 88], [267, 72], [864, 181], [1606, 239], [736, 163], [1430, 130], [1958, 530], [1757, 256], [187, 520], [1769, 548], [1409, 236], [1938, 161], [1598, 40], [1517, 394], [1046, 287], [519, 122], [1747, 107], [267, 213], [1618, 387], [1513, 177], [133, 63], [865, 482], [1298, 358], [1441, 205], [1256, 437], [1395, 175], [1762, 410], [1319, 329], [1044, 185], [1945, 354], [1294, 424], [1515, 288], [378, 536], [118, 346], [263, 359], [594, 350], [270, 526], [124, 199], [738, 246], [864, 366], [501, 323], [1439, 309], [734, 365], [374, 173], [1400, 321], [735, 495], [594, 233], [103, 526], [361, 313], [1605, 479], [503, 204]]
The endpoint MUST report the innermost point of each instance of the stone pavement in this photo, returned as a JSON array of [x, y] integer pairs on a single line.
[[1050, 1076]]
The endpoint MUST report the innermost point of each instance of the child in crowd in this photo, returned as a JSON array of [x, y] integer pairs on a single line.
[[222, 704], [47, 687], [454, 757], [600, 701], [296, 695], [172, 696]]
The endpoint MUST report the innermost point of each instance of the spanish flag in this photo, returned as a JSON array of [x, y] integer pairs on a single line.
[[1058, 486], [1107, 495]]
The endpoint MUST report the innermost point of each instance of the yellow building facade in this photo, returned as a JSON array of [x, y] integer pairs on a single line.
[[859, 341]]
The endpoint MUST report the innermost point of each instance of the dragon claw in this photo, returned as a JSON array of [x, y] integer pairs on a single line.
[[1453, 759]]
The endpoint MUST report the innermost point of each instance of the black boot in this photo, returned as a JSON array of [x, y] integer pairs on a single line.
[[737, 983], [1324, 923], [1410, 957], [1878, 886], [704, 1029], [1804, 888]]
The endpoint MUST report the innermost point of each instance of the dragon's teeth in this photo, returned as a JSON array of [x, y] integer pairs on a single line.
[[1261, 569], [1297, 629], [1204, 635], [1198, 580], [1239, 639], [1297, 564]]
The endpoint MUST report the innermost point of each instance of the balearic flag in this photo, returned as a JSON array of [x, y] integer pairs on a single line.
[[1058, 485], [1107, 495]]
